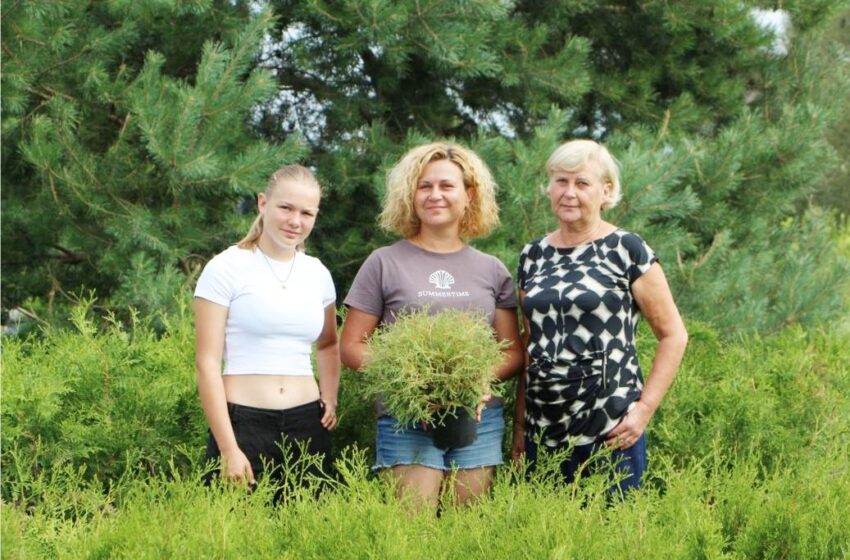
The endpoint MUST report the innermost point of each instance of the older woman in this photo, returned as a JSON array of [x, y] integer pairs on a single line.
[[583, 288], [437, 195]]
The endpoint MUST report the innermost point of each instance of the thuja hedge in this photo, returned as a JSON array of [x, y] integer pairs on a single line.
[[796, 511], [103, 438]]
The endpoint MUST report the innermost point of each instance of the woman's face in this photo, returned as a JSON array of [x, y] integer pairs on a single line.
[[577, 196], [289, 213], [440, 198]]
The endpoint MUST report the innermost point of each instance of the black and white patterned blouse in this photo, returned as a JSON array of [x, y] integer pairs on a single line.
[[583, 373]]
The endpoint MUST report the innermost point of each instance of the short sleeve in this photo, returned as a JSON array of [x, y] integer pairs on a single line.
[[520, 270], [217, 282], [366, 292], [504, 283], [523, 272], [327, 283], [640, 256]]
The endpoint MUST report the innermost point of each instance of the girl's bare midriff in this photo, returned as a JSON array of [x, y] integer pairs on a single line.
[[276, 392]]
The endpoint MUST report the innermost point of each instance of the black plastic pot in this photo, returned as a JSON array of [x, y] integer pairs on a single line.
[[458, 429]]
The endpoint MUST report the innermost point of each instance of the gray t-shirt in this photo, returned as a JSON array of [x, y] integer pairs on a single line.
[[405, 276]]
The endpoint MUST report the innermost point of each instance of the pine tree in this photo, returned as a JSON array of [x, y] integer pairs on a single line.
[[835, 190], [126, 143], [721, 132], [118, 156]]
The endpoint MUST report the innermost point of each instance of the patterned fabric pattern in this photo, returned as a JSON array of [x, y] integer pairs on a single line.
[[583, 373]]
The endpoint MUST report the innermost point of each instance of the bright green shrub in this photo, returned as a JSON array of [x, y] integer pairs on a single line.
[[704, 513], [98, 401], [774, 398], [428, 366], [102, 440]]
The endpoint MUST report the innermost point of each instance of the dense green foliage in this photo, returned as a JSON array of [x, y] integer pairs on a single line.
[[834, 192], [102, 402], [125, 146], [102, 442], [426, 366], [136, 133], [795, 512]]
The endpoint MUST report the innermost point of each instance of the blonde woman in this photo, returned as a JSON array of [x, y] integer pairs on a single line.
[[438, 196], [583, 288], [260, 306]]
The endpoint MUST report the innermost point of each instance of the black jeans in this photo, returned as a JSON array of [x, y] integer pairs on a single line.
[[278, 438]]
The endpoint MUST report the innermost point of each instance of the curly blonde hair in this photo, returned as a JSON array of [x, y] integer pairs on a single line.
[[293, 173], [398, 214]]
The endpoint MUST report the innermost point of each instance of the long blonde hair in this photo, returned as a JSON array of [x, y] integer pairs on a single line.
[[293, 173], [398, 214]]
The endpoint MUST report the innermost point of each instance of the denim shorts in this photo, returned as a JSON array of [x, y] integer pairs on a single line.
[[412, 445]]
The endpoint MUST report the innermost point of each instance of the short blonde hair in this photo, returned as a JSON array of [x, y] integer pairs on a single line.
[[398, 214], [575, 154], [287, 174]]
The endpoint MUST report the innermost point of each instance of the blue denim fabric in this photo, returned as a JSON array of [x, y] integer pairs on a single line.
[[412, 445], [631, 461]]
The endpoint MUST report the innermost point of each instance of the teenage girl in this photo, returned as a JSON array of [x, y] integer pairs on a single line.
[[260, 307]]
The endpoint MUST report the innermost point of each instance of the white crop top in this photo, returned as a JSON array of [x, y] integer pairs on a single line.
[[269, 330]]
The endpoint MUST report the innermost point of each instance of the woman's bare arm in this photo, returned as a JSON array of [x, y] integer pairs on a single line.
[[210, 320], [653, 296], [357, 329], [327, 362]]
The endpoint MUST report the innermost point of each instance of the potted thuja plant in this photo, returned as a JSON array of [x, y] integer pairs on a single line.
[[434, 369]]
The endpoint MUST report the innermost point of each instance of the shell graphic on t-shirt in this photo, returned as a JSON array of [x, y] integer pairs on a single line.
[[441, 279]]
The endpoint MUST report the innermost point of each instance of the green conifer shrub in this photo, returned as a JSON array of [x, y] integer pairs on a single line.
[[427, 366], [103, 442], [101, 402]]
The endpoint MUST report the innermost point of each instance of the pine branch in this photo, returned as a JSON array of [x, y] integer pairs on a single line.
[[68, 256]]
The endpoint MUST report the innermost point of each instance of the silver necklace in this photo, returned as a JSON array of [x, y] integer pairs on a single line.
[[271, 268]]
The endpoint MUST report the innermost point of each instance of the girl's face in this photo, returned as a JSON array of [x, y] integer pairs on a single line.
[[289, 213], [577, 196], [440, 198]]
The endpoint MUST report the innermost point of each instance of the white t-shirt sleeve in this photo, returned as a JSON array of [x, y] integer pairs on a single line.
[[217, 282]]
